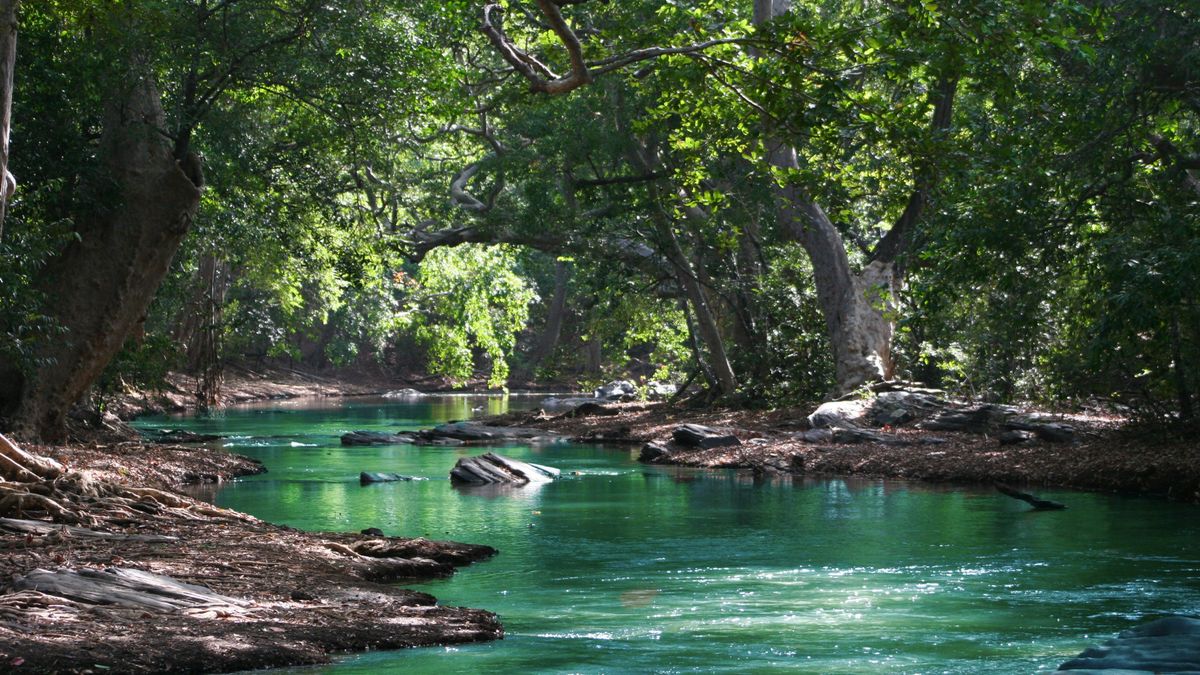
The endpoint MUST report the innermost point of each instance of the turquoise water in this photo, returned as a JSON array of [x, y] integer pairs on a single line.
[[619, 567]]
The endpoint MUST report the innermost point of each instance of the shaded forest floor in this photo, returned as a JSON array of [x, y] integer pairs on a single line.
[[1108, 455], [301, 597]]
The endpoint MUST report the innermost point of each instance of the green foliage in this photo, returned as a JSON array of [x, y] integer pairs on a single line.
[[467, 299]]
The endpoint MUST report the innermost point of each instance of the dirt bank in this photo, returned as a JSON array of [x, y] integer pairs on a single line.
[[1106, 456], [295, 597]]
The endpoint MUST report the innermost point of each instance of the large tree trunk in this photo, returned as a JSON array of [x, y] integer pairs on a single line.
[[8, 63], [98, 289], [548, 340]]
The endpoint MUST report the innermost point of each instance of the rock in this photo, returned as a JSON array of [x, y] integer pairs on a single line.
[[474, 433], [180, 436], [591, 409], [1168, 645], [654, 452], [1015, 437], [1055, 433], [851, 435], [442, 442], [493, 468], [375, 438], [697, 436], [617, 390], [404, 393], [894, 408], [839, 414], [815, 436], [373, 532], [657, 391], [978, 420], [561, 403], [367, 477]]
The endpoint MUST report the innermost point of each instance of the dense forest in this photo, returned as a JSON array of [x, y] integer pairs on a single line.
[[775, 200]]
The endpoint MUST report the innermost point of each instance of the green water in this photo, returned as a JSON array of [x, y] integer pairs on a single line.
[[620, 567]]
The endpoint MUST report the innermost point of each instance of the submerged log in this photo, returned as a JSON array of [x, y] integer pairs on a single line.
[[368, 477], [1037, 503], [698, 436], [492, 468]]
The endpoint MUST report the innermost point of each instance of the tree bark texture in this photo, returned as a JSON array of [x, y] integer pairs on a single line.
[[548, 340], [99, 288], [856, 306], [8, 63]]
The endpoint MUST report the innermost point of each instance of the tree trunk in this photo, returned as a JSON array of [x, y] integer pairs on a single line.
[[8, 63], [706, 323], [548, 340], [99, 287]]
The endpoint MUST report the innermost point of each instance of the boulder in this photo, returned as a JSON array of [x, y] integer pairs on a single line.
[[839, 414], [617, 390], [698, 436], [657, 391], [1167, 645], [491, 468], [376, 438], [368, 477], [654, 452], [894, 408], [1015, 437]]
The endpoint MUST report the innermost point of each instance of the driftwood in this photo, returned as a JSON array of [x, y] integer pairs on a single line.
[[41, 527], [1037, 503], [493, 468], [697, 436], [125, 588]]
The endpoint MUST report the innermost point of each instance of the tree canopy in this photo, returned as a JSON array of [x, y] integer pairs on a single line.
[[781, 200]]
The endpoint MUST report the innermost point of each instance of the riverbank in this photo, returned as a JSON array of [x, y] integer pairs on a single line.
[[1105, 454], [281, 597]]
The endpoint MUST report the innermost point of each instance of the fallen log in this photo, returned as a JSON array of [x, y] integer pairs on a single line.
[[1037, 503], [41, 527], [124, 587]]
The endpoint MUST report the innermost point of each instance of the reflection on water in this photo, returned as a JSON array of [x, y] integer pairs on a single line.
[[624, 567]]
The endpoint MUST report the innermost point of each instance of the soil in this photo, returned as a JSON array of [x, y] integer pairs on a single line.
[[1109, 456], [310, 594]]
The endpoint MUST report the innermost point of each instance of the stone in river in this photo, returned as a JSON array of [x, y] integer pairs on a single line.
[[491, 468]]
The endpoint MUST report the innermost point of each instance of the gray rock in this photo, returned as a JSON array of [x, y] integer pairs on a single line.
[[564, 402], [654, 452], [491, 468], [699, 436], [368, 477], [1168, 645], [474, 433], [375, 438], [839, 414], [894, 408], [1056, 433], [617, 390], [1015, 437], [657, 391], [404, 393], [815, 436]]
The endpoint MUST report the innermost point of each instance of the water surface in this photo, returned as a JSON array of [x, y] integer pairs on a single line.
[[620, 567]]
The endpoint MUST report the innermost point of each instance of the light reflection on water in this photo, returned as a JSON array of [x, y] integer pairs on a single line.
[[632, 568]]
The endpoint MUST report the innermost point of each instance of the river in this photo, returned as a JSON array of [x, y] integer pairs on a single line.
[[621, 567]]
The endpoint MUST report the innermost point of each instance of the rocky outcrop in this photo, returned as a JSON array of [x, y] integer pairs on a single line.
[[1168, 645], [452, 434], [698, 436], [376, 438], [617, 390], [491, 468]]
